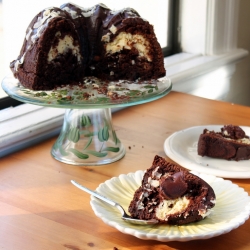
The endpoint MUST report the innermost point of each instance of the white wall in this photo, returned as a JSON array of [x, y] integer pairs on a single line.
[[240, 82]]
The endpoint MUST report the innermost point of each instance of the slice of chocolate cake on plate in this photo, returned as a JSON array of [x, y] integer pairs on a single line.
[[231, 143], [171, 194]]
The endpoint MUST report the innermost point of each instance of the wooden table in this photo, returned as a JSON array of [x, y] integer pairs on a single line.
[[41, 209]]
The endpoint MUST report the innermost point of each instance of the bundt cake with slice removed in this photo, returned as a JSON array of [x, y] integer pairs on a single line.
[[171, 194], [231, 143], [63, 45]]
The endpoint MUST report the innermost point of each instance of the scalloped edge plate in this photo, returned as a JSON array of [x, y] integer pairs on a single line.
[[232, 209], [181, 147]]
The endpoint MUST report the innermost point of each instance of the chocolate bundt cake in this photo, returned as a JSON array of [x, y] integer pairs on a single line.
[[230, 144], [172, 195], [63, 45]]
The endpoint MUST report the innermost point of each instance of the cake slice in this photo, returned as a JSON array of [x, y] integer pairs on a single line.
[[171, 194], [231, 143]]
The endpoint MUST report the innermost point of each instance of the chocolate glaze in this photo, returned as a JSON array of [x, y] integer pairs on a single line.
[[36, 30], [117, 17], [95, 21]]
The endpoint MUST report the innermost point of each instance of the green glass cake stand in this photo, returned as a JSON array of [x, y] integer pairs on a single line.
[[87, 136]]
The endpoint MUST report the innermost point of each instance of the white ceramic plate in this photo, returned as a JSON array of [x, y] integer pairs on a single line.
[[182, 148], [232, 209]]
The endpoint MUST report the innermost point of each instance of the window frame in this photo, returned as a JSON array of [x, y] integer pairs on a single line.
[[7, 101]]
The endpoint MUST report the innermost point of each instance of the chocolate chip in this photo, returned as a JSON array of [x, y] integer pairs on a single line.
[[233, 132], [174, 186]]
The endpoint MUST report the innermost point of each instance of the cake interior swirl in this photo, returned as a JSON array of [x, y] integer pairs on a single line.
[[171, 194], [63, 45]]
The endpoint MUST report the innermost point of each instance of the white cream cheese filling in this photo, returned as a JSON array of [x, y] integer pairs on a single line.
[[168, 207], [204, 213], [243, 140], [63, 46], [128, 41]]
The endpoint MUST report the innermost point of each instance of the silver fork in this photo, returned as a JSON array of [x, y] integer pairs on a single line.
[[125, 216]]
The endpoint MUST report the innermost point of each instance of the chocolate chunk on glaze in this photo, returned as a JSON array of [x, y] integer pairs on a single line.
[[233, 132], [173, 186]]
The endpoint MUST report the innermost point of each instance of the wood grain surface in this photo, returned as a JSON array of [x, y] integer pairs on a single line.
[[41, 210]]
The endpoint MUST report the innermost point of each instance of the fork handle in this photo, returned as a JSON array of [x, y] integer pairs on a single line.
[[95, 194]]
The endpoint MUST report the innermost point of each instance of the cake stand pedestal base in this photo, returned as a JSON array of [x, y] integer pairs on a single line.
[[87, 138]]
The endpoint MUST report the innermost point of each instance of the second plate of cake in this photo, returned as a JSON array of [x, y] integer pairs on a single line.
[[181, 147]]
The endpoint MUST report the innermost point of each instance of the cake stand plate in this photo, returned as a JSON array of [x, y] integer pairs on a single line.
[[87, 137]]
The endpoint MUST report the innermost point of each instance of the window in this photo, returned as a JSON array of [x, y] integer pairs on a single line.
[[16, 16]]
